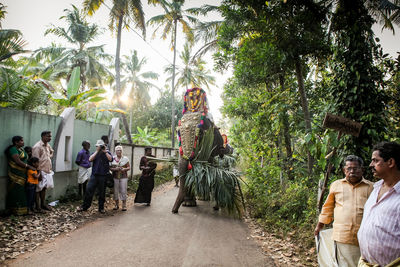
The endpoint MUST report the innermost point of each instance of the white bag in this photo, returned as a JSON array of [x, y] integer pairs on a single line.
[[325, 249], [47, 181]]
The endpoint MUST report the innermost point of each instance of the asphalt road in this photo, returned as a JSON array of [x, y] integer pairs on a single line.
[[153, 236]]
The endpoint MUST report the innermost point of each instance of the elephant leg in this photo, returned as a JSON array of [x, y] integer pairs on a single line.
[[182, 168], [216, 207], [181, 195], [189, 200]]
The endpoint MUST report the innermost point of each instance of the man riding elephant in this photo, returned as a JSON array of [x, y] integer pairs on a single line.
[[199, 142]]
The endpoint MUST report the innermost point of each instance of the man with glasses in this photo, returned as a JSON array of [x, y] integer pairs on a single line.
[[379, 233], [344, 206]]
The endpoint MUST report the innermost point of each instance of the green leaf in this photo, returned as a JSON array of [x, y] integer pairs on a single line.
[[96, 99], [74, 82]]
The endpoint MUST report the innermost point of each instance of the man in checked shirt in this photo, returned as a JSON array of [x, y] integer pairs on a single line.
[[379, 234], [344, 206]]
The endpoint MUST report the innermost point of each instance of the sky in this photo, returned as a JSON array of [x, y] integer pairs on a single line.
[[33, 17]]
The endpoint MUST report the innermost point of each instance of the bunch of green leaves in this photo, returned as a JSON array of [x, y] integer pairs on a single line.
[[73, 97], [211, 181], [19, 92], [357, 84]]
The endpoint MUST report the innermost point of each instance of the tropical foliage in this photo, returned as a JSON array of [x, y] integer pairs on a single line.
[[90, 59], [77, 99], [294, 61], [140, 81], [21, 93], [193, 73]]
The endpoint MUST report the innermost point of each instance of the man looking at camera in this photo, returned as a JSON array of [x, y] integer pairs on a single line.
[[344, 206], [101, 167]]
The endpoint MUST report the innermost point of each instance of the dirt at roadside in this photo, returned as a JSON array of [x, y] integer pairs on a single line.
[[23, 234], [284, 252]]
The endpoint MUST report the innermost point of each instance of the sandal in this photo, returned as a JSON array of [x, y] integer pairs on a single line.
[[80, 209]]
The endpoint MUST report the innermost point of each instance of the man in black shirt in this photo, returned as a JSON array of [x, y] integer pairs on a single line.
[[101, 167]]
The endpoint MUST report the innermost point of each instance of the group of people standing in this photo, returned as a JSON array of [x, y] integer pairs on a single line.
[[30, 174], [95, 169], [366, 215]]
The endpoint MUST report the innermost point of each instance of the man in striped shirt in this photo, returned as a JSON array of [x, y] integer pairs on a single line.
[[379, 234]]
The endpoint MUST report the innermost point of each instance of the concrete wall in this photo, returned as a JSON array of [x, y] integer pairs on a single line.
[[29, 125]]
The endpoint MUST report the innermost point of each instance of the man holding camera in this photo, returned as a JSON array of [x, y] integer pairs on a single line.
[[101, 167]]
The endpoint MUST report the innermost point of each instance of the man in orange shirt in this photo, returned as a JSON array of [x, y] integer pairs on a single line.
[[344, 206]]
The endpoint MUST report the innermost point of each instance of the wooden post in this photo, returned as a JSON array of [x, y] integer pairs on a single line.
[[343, 126]]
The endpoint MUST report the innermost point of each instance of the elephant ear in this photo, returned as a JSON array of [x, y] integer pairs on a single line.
[[205, 148]]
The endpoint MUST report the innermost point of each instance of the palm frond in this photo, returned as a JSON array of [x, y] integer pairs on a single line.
[[214, 183], [11, 43]]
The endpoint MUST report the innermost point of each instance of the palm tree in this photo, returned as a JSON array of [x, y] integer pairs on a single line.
[[11, 43], [2, 12], [193, 73], [206, 32], [122, 13], [16, 91], [173, 15], [138, 80], [386, 12], [64, 59], [20, 92]]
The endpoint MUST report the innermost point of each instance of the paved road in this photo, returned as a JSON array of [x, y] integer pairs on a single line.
[[153, 236]]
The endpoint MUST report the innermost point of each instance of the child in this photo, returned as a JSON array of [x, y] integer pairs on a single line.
[[32, 181], [28, 151], [84, 167]]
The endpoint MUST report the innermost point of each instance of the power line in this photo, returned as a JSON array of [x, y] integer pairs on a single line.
[[129, 27]]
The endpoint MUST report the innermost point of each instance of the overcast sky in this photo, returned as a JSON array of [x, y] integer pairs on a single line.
[[33, 17]]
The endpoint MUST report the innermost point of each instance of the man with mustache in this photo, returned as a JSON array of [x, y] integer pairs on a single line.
[[344, 206], [379, 233]]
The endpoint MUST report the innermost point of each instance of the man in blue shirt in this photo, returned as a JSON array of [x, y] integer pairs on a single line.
[[84, 170], [101, 168]]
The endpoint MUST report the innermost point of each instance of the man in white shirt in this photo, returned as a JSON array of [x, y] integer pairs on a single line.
[[379, 234]]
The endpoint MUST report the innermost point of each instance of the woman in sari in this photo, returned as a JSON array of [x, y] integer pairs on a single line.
[[146, 181], [17, 164]]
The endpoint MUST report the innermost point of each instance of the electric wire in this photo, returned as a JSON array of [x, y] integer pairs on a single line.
[[130, 28]]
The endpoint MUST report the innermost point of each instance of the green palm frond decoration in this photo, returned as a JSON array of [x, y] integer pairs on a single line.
[[214, 180]]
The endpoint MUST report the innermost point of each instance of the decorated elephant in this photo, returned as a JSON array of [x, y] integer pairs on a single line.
[[200, 142]]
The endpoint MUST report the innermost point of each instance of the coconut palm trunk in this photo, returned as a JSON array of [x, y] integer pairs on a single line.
[[173, 90], [118, 79]]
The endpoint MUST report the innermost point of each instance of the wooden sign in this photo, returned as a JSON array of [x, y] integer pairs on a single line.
[[341, 124]]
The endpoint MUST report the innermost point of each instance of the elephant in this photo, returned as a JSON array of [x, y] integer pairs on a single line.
[[191, 131]]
